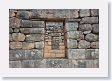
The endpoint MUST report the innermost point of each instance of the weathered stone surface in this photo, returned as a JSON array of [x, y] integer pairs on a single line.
[[14, 64], [73, 20], [38, 24], [40, 63], [10, 37], [95, 45], [15, 45], [39, 45], [81, 63], [83, 44], [18, 37], [96, 63], [71, 43], [34, 37], [78, 35], [28, 45], [12, 13], [14, 22], [90, 20], [32, 30], [95, 28], [91, 37], [73, 64], [89, 63], [71, 26], [87, 32], [16, 30], [33, 54], [26, 23], [84, 12], [23, 14], [28, 64], [85, 27], [10, 30], [57, 63], [35, 13], [76, 53], [16, 55], [73, 13], [94, 12]]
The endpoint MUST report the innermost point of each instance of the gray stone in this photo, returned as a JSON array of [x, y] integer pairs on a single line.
[[71, 43], [16, 30], [87, 32], [35, 13], [91, 37], [94, 12], [10, 30], [73, 20], [14, 22], [34, 37], [95, 28], [32, 30], [10, 37], [23, 14], [15, 45], [73, 64], [90, 20], [39, 45], [81, 63], [28, 63], [16, 55], [76, 54], [33, 54], [73, 13], [14, 64], [27, 45], [71, 26], [89, 63], [38, 24], [26, 23], [85, 27], [95, 45], [18, 37], [83, 44], [84, 12], [40, 63], [12, 13], [96, 63], [78, 35]]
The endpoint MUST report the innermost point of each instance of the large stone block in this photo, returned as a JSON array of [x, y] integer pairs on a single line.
[[39, 45], [84, 12], [81, 64], [14, 64], [23, 14], [91, 37], [78, 35], [38, 24], [73, 64], [16, 55], [71, 26], [76, 53], [14, 22], [94, 44], [73, 13], [28, 64], [18, 37], [40, 63], [85, 27], [34, 37], [15, 45], [95, 28], [90, 20], [27, 45], [71, 43], [83, 44], [32, 30], [26, 23], [94, 12]]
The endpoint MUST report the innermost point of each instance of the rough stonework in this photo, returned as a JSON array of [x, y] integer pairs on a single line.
[[53, 38]]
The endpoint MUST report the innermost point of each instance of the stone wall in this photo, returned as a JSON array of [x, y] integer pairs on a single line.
[[27, 38]]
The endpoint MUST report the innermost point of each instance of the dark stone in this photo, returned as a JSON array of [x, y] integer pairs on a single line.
[[26, 23], [23, 14]]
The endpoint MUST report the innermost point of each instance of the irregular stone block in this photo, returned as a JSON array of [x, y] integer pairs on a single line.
[[91, 37], [12, 13], [10, 30], [76, 53], [73, 64], [95, 45], [57, 63], [71, 26], [90, 20], [28, 64], [28, 45], [26, 23], [85, 27], [34, 37], [23, 14], [84, 12], [39, 45], [32, 30], [16, 30], [14, 22], [10, 37], [78, 35], [95, 28], [94, 12], [83, 44], [38, 24], [16, 55], [18, 36], [73, 13], [81, 63], [87, 32], [33, 54], [14, 64], [40, 63], [15, 45], [71, 43]]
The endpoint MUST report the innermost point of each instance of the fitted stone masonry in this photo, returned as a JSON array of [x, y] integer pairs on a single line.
[[53, 38]]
